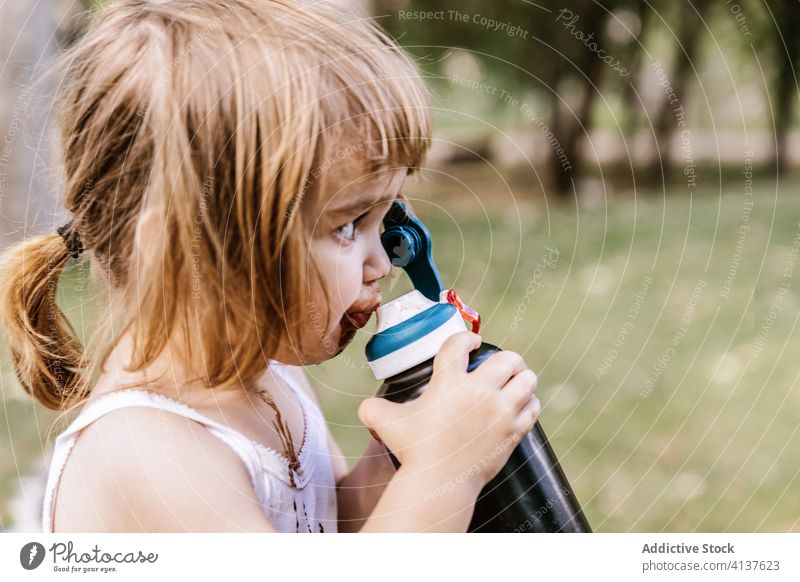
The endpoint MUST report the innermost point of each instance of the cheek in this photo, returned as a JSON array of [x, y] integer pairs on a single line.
[[341, 273]]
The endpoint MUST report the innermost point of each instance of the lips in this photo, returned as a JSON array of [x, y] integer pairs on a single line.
[[361, 311], [358, 320]]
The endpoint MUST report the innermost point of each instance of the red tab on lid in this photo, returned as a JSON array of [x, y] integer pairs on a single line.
[[465, 310]]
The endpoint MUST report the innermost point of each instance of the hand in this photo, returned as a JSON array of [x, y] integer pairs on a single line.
[[465, 424]]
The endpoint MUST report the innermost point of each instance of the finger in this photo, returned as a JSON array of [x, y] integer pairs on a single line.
[[375, 413], [453, 356], [500, 367], [520, 388], [529, 415]]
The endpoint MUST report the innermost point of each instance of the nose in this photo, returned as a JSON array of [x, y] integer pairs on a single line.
[[377, 264]]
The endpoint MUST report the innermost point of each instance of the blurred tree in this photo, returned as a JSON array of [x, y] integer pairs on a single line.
[[558, 52], [632, 51], [689, 29], [585, 69]]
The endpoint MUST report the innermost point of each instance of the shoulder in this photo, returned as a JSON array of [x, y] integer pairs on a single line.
[[340, 468], [146, 469]]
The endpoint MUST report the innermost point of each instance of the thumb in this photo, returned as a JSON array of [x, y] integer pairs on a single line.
[[454, 353], [375, 413]]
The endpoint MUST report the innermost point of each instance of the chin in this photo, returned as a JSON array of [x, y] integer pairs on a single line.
[[327, 349]]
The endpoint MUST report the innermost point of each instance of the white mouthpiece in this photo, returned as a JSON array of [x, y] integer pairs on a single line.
[[404, 307]]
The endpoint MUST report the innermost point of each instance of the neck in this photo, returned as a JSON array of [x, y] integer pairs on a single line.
[[170, 373]]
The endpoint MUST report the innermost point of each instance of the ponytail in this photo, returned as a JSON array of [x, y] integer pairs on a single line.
[[45, 351]]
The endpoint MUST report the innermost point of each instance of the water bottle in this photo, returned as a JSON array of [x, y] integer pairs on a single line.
[[530, 493]]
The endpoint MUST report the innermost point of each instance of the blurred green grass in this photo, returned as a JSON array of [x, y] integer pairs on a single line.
[[713, 446]]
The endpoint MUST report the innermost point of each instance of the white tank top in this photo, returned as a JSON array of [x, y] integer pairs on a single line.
[[301, 499]]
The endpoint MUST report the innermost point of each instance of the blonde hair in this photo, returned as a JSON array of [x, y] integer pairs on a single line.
[[192, 131]]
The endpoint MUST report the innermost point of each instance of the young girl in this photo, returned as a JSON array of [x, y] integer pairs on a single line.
[[227, 167]]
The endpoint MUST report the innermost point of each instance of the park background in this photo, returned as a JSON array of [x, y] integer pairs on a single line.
[[612, 184]]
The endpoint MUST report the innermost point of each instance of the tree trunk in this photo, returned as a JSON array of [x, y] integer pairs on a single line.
[[785, 83], [690, 33], [632, 113], [570, 127]]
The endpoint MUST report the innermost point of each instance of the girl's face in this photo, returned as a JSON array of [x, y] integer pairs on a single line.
[[346, 245]]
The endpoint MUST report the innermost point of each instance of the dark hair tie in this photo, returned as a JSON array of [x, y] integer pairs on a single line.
[[71, 239]]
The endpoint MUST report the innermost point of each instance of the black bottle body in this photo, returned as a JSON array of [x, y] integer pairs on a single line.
[[530, 493]]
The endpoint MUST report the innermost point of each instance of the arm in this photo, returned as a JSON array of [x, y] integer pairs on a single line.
[[374, 497], [425, 500], [359, 490], [145, 471]]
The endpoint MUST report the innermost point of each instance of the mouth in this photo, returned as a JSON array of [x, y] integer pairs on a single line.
[[359, 318], [360, 314]]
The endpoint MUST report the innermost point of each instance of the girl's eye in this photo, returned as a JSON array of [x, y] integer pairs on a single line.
[[346, 231], [349, 232]]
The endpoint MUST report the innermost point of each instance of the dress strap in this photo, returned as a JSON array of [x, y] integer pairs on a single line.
[[304, 400]]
